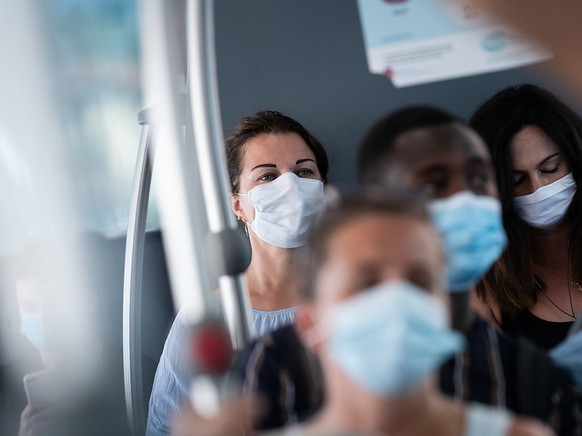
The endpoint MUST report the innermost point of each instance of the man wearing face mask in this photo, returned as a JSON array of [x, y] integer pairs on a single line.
[[437, 155]]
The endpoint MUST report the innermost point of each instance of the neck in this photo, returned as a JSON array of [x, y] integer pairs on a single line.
[[271, 276], [551, 246], [349, 407]]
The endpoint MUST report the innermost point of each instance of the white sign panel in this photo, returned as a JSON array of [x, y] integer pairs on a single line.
[[422, 41]]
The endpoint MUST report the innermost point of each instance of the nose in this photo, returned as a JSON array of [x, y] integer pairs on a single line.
[[393, 274], [456, 185], [535, 183]]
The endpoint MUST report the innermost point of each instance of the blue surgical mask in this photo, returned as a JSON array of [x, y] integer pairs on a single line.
[[390, 338], [471, 229], [31, 327], [568, 355]]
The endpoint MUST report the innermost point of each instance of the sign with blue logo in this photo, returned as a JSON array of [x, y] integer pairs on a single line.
[[422, 41]]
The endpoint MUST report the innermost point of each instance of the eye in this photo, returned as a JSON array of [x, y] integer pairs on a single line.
[[421, 278], [551, 166], [305, 172], [365, 278], [550, 170], [518, 179], [479, 181], [267, 177], [435, 186]]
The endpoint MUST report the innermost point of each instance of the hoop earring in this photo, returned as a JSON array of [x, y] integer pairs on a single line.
[[241, 219]]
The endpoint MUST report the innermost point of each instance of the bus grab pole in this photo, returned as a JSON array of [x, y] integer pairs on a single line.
[[206, 118], [188, 209]]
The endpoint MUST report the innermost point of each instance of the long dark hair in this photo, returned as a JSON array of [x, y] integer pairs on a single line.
[[511, 280]]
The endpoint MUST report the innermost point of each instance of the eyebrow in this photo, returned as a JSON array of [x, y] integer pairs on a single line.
[[478, 160], [548, 158], [433, 168], [272, 165], [300, 161], [265, 165], [541, 163]]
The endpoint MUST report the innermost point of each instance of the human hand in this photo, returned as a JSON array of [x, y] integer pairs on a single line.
[[35, 421]]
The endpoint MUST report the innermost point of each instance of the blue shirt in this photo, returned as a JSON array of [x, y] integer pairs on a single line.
[[173, 375]]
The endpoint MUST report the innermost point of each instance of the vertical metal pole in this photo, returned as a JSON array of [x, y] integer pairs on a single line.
[[206, 117], [180, 200], [132, 286]]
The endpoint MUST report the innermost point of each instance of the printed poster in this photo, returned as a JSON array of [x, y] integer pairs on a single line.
[[421, 41]]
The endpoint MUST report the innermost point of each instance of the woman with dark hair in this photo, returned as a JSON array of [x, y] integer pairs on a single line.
[[535, 140], [277, 173]]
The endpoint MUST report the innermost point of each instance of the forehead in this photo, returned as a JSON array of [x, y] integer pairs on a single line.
[[451, 144], [531, 145], [275, 148], [388, 240]]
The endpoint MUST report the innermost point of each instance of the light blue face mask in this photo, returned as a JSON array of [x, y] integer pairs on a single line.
[[388, 339], [31, 327], [471, 229], [568, 355]]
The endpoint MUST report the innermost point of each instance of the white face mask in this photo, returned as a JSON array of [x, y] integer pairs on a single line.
[[285, 209], [547, 206]]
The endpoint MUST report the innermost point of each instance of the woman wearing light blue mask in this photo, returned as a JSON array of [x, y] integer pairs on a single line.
[[377, 317], [277, 172], [534, 290]]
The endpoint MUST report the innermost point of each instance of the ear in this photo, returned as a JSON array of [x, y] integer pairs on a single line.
[[306, 326], [236, 207]]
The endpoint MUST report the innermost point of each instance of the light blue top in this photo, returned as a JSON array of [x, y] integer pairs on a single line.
[[172, 381]]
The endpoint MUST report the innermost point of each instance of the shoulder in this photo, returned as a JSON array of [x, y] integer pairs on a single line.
[[267, 321], [501, 422], [528, 427], [271, 349], [486, 306]]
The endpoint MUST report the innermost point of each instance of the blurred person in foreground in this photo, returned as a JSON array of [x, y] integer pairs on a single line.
[[376, 315]]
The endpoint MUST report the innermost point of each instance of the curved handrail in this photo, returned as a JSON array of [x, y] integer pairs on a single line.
[[132, 281]]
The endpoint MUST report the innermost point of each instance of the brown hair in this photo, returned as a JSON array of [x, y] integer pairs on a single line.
[[268, 122]]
